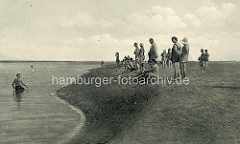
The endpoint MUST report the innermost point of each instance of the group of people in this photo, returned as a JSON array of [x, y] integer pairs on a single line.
[[138, 64], [180, 57], [203, 59], [176, 57]]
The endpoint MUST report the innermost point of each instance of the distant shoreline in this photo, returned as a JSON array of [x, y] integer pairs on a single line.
[[26, 61], [33, 61]]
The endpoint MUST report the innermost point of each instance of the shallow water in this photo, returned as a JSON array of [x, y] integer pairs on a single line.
[[34, 116]]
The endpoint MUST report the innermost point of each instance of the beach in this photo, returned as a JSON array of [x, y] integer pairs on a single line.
[[204, 111], [119, 72]]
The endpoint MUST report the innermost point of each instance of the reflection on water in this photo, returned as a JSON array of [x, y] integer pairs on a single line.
[[17, 97]]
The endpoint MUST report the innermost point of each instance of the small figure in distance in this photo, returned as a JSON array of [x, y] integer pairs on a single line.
[[117, 59], [169, 58], [18, 85], [206, 58], [32, 69], [201, 59], [164, 59], [102, 63], [136, 52], [141, 57]]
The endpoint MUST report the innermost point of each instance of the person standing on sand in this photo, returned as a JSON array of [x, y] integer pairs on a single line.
[[117, 59], [152, 54], [169, 58], [201, 59], [176, 53], [206, 58], [136, 52], [184, 57], [164, 59], [141, 58], [102, 63]]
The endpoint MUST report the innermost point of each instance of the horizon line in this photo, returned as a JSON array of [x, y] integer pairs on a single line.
[[2, 61]]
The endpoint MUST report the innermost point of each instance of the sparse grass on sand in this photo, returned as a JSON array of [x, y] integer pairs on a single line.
[[205, 111]]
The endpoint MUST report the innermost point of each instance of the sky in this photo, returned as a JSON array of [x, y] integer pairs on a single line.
[[93, 30]]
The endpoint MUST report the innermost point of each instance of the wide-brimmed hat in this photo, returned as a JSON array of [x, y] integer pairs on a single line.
[[184, 41]]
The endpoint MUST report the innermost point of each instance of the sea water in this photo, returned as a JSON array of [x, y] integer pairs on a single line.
[[34, 116]]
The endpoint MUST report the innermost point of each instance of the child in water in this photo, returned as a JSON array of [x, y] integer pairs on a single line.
[[32, 69], [18, 84]]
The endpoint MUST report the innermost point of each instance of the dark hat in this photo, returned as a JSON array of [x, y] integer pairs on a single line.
[[174, 37], [151, 39]]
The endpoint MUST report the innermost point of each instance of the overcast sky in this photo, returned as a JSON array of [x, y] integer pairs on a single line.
[[96, 29]]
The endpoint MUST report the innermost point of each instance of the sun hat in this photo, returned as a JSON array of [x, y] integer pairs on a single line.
[[184, 41]]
